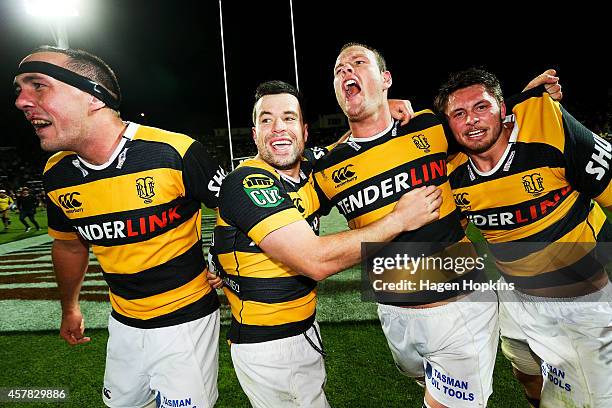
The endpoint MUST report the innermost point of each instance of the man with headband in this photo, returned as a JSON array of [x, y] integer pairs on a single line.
[[134, 194]]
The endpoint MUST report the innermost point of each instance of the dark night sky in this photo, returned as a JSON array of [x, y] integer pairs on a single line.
[[167, 54]]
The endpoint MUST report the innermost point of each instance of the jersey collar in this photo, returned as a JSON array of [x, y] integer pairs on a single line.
[[511, 142], [128, 134]]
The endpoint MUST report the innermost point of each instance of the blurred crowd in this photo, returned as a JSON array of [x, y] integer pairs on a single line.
[[25, 202], [21, 190]]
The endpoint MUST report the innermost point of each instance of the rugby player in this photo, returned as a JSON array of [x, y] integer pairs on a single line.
[[270, 257], [133, 193], [6, 201], [450, 345], [537, 178]]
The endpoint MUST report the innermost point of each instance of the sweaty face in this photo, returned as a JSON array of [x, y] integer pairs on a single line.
[[359, 84], [279, 132], [475, 117], [57, 111]]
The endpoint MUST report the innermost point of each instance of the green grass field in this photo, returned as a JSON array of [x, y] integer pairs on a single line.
[[360, 369], [16, 230]]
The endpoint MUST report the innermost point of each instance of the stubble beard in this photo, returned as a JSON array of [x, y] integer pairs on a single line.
[[281, 163], [485, 145]]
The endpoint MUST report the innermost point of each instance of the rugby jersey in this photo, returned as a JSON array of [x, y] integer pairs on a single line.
[[5, 202], [141, 213], [365, 177], [268, 300], [538, 193]]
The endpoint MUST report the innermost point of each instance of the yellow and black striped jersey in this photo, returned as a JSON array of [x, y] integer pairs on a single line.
[[365, 177], [540, 191], [5, 202], [141, 212], [268, 300]]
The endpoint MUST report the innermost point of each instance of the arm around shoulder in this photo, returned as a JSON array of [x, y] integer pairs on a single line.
[[298, 247]]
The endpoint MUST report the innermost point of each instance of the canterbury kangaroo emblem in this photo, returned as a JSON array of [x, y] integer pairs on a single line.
[[343, 174], [461, 200], [70, 203]]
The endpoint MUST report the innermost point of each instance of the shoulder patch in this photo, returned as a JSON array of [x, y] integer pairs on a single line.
[[261, 190]]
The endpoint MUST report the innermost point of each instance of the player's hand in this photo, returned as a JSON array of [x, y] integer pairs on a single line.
[[72, 328], [418, 207], [214, 280], [551, 83], [401, 109]]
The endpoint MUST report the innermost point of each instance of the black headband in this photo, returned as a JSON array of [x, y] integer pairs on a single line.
[[71, 78]]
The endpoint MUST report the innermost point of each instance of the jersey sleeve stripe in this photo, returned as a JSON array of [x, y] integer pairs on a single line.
[[61, 235], [605, 198], [275, 221]]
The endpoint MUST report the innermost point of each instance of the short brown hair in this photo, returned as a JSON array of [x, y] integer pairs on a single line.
[[380, 60], [463, 79]]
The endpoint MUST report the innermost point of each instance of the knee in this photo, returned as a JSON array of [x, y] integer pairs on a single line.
[[430, 402]]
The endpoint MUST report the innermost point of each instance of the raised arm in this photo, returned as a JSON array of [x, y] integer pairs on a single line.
[[551, 83]]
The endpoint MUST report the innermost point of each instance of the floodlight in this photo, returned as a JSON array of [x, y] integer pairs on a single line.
[[52, 8]]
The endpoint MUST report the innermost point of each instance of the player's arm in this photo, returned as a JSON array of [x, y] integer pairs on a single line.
[[202, 176], [545, 82], [401, 109], [296, 245], [70, 260], [588, 159], [70, 257], [550, 82], [255, 201]]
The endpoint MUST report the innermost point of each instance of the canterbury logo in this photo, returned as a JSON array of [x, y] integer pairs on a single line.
[[297, 202], [461, 200], [69, 202], [343, 174]]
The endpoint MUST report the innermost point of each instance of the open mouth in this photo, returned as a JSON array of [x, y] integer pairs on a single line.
[[475, 134], [351, 88], [40, 124], [281, 145]]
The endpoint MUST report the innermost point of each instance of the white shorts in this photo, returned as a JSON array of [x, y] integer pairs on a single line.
[[573, 339], [280, 373], [174, 365], [453, 346]]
